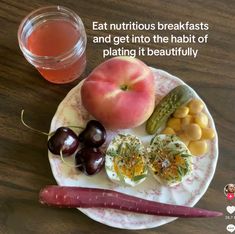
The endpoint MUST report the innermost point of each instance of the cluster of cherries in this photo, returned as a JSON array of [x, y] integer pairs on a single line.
[[64, 142], [89, 159]]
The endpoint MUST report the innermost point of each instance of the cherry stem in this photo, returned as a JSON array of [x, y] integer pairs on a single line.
[[41, 132], [33, 129], [66, 163]]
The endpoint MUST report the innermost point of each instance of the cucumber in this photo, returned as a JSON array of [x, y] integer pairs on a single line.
[[174, 99]]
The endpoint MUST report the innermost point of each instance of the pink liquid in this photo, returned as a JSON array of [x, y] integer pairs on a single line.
[[54, 38]]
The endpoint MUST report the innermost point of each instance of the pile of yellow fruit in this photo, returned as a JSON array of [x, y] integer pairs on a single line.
[[191, 125]]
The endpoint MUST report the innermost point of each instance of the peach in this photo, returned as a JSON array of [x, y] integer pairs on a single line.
[[120, 93]]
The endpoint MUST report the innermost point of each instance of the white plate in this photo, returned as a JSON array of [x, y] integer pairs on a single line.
[[71, 112]]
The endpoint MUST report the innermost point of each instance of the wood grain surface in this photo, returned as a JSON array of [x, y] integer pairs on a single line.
[[24, 166]]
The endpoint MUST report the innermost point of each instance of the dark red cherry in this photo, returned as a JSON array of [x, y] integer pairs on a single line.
[[91, 160], [63, 139], [94, 135]]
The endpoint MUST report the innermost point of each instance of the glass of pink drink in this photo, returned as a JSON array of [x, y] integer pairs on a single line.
[[53, 40]]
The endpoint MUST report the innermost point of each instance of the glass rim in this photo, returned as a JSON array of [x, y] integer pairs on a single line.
[[63, 56]]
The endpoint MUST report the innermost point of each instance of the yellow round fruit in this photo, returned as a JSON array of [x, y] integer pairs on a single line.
[[174, 123], [181, 112], [201, 119], [184, 138], [168, 131], [186, 121], [198, 148], [193, 131], [195, 106], [208, 133]]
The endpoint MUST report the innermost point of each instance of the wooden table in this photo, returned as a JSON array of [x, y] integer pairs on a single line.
[[24, 167]]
